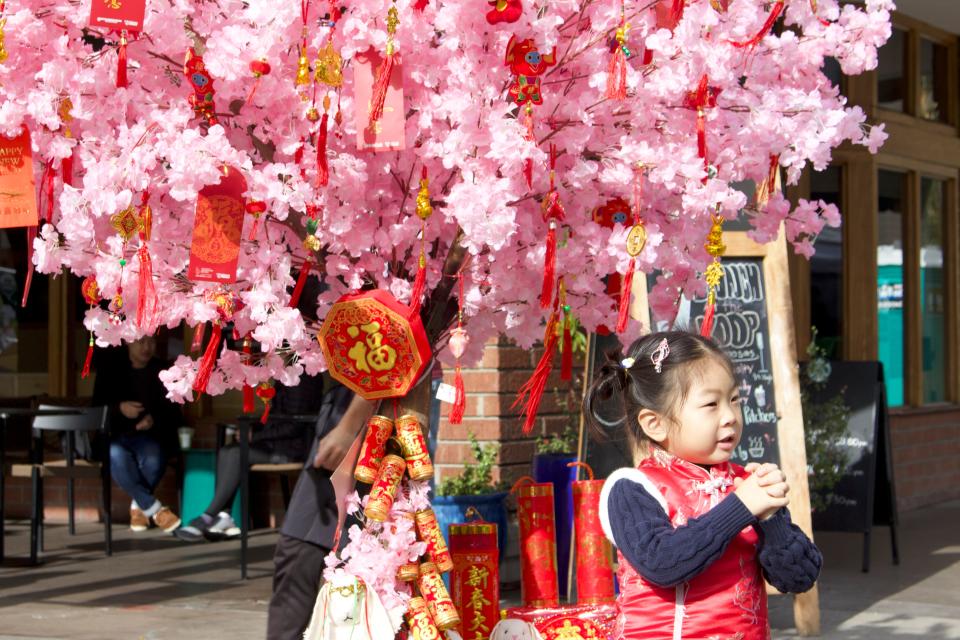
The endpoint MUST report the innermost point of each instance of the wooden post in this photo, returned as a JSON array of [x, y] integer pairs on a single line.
[[793, 457]]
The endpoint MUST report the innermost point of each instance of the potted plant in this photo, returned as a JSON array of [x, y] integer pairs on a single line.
[[474, 487], [551, 463]]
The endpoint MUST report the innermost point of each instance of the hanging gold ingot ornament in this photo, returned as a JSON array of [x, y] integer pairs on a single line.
[[3, 48], [303, 71], [66, 105], [328, 67], [311, 243], [716, 248], [424, 210]]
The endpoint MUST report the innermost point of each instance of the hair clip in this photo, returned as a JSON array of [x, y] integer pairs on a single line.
[[663, 350], [626, 363]]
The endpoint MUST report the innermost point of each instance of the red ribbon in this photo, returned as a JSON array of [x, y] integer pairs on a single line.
[[209, 360], [755, 40]]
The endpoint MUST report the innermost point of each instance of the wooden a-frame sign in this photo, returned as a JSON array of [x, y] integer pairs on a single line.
[[754, 322]]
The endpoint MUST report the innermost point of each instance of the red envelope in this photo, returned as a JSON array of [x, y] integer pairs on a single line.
[[18, 197], [387, 134], [118, 14], [215, 247]]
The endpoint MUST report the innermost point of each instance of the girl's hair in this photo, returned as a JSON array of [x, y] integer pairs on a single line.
[[630, 382]]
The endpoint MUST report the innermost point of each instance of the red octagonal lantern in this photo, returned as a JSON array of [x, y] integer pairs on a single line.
[[374, 345]]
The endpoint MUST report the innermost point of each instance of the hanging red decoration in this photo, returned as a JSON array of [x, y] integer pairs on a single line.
[[203, 91], [382, 80], [566, 347], [147, 300], [553, 214], [617, 70], [714, 272], [256, 208], [527, 63], [504, 11], [248, 403], [265, 392], [458, 345], [424, 211], [374, 345], [636, 240], [531, 392], [91, 295], [226, 306], [765, 29], [702, 98]]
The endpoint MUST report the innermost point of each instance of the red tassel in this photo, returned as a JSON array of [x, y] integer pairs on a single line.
[[420, 5], [209, 360], [122, 63], [617, 75], [86, 361], [48, 175], [566, 360], [31, 236], [419, 285], [528, 172], [460, 401], [147, 298], [380, 85], [66, 169], [266, 412], [248, 400], [301, 281], [198, 337], [531, 392], [529, 135], [323, 171], [549, 267], [706, 329], [625, 289], [253, 229], [702, 134], [755, 40]]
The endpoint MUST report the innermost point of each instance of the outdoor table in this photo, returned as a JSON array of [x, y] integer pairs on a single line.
[[5, 415]]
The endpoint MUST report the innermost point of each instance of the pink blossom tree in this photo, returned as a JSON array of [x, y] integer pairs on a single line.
[[767, 98]]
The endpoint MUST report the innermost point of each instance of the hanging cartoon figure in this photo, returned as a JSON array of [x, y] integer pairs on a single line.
[[202, 83], [504, 11], [528, 64], [614, 212]]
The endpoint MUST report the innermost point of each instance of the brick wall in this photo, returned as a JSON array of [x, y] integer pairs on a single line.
[[926, 448]]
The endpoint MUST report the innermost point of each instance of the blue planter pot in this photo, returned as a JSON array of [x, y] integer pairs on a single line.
[[553, 468], [492, 508]]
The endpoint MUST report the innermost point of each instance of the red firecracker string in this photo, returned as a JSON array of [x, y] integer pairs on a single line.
[[209, 360]]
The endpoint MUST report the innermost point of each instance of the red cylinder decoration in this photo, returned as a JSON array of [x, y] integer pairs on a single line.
[[438, 599], [475, 581], [538, 544], [414, 448], [385, 488], [379, 430], [594, 552], [429, 530], [420, 622]]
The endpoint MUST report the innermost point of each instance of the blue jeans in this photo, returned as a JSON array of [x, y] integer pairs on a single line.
[[137, 462]]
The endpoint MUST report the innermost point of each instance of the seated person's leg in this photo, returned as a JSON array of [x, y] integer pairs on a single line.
[[216, 522], [151, 463], [126, 473]]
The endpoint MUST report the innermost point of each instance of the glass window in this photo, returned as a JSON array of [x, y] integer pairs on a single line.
[[826, 267], [932, 310], [933, 81], [890, 318], [891, 84]]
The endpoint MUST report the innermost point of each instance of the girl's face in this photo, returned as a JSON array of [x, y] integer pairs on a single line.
[[709, 422]]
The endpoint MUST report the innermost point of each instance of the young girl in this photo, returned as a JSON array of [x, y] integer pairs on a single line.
[[696, 533]]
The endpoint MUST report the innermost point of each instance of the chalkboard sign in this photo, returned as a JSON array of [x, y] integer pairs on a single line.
[[740, 326], [864, 495]]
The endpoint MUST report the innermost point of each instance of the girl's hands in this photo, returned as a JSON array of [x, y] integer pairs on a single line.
[[770, 478]]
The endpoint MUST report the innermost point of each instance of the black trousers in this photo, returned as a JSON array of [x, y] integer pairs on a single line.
[[298, 567], [228, 474]]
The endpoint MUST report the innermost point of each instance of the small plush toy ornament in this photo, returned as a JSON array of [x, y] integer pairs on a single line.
[[504, 11], [527, 64], [202, 83]]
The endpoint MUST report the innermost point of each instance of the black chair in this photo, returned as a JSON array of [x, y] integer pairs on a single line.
[[86, 420], [283, 469]]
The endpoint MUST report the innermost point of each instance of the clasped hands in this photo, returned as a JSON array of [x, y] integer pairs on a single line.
[[764, 491]]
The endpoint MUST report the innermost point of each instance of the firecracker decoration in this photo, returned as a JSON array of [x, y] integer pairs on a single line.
[[714, 272], [420, 622], [531, 392], [249, 406], [379, 430], [424, 210], [458, 345], [594, 552], [226, 304], [91, 295], [384, 490], [259, 68], [266, 393], [475, 580], [702, 98], [203, 90], [504, 11], [636, 240], [382, 79], [66, 117], [414, 447], [566, 346], [428, 530], [553, 215], [439, 602], [617, 70], [539, 582], [765, 29], [374, 345], [255, 208], [525, 61], [771, 185]]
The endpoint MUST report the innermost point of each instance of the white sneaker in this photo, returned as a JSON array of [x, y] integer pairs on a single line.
[[224, 527]]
